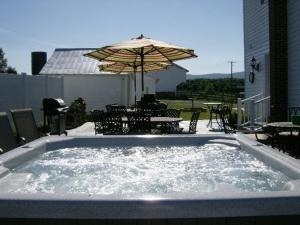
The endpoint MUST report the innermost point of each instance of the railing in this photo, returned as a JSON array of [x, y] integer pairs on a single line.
[[253, 111]]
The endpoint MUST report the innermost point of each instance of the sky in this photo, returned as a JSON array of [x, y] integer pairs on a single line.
[[213, 28]]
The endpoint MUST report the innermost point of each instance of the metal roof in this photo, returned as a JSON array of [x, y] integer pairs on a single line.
[[72, 61]]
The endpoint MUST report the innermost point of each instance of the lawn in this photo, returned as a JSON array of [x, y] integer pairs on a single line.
[[186, 105]]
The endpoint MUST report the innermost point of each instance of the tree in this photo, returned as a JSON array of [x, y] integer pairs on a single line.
[[11, 70], [3, 64]]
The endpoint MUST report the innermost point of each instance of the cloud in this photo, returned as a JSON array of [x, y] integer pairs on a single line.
[[5, 30], [31, 39], [47, 43]]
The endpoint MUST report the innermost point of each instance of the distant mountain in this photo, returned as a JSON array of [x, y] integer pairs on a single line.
[[215, 76]]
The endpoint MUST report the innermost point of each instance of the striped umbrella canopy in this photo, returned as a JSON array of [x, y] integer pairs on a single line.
[[118, 67], [121, 68], [141, 50]]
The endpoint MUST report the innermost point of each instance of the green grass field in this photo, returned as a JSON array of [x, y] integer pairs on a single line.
[[187, 106]]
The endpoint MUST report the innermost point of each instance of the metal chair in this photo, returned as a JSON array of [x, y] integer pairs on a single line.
[[192, 126], [193, 123], [175, 113], [293, 111], [8, 140], [25, 124], [227, 119], [112, 124], [97, 117], [119, 109], [139, 124]]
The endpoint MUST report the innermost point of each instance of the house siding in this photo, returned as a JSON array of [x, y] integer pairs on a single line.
[[293, 52], [256, 42]]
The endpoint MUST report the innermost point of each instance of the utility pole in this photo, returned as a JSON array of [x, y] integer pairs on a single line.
[[231, 70]]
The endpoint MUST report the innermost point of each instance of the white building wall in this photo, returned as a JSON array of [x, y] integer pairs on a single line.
[[256, 43], [293, 52], [96, 90], [168, 79], [100, 90], [149, 85]]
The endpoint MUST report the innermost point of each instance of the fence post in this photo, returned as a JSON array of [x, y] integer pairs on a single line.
[[25, 97], [239, 109], [252, 113]]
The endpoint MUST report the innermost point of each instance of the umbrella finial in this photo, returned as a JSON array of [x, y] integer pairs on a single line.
[[141, 36]]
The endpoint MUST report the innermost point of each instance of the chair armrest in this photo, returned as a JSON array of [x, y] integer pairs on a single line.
[[21, 140]]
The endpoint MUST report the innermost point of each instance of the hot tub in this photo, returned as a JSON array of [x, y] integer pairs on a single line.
[[134, 179]]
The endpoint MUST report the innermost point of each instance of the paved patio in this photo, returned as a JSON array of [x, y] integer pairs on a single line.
[[87, 129]]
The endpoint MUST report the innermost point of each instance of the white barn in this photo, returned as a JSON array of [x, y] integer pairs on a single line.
[[170, 78], [83, 79], [271, 36]]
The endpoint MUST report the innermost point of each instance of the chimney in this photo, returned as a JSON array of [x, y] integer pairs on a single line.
[[38, 60]]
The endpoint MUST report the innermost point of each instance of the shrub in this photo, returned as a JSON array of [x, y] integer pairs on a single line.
[[76, 115]]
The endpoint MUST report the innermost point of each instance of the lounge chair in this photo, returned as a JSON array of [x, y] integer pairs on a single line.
[[25, 124], [8, 140]]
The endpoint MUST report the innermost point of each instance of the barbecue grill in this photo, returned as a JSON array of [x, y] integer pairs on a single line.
[[55, 115]]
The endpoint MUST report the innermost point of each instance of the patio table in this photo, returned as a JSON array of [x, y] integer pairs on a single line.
[[212, 109], [274, 132], [159, 119], [278, 127]]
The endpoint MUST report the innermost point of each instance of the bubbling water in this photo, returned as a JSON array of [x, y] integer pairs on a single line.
[[148, 169]]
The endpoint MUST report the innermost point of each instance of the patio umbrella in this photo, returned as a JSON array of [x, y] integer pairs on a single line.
[[141, 50], [121, 68]]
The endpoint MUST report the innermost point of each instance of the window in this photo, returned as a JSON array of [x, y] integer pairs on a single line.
[[262, 2]]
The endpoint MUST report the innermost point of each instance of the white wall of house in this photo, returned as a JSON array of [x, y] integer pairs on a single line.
[[293, 52], [23, 91], [256, 43], [168, 79]]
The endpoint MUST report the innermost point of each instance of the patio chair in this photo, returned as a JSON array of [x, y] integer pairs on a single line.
[[25, 124], [146, 112], [173, 113], [169, 127], [162, 106], [119, 109], [193, 123], [192, 126], [8, 140], [292, 111], [227, 120], [97, 117], [109, 107], [112, 124], [139, 124]]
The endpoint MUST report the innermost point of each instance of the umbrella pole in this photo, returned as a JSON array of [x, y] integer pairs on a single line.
[[142, 65], [134, 74]]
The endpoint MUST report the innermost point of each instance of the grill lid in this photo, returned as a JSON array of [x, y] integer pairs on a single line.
[[54, 105]]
